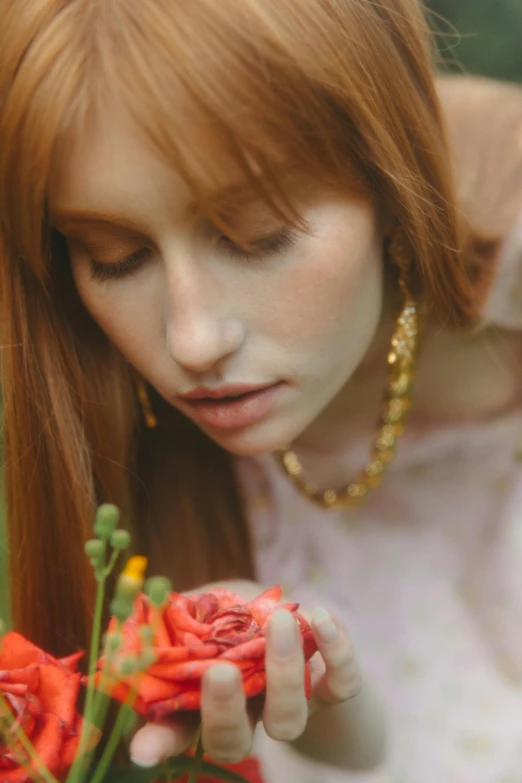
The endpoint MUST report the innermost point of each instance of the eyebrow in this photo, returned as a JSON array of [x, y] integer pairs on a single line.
[[61, 218], [236, 195]]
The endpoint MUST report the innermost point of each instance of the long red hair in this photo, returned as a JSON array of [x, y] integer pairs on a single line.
[[328, 87]]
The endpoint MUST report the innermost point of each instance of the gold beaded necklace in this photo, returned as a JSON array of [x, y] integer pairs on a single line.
[[401, 373]]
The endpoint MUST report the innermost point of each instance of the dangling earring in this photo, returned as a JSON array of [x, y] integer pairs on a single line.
[[401, 366], [149, 416]]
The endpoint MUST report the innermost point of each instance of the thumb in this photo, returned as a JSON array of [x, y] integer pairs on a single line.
[[155, 742]]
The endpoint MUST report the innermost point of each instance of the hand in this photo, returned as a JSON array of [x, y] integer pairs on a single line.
[[228, 722]]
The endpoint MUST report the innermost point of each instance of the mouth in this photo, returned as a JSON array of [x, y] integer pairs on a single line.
[[234, 406]]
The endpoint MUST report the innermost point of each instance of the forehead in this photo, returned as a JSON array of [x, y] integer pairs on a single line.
[[110, 167]]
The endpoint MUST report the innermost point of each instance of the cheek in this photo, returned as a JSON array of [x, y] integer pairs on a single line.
[[119, 310], [333, 290]]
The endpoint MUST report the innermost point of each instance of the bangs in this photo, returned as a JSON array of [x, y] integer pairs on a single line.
[[216, 86], [210, 84], [264, 95]]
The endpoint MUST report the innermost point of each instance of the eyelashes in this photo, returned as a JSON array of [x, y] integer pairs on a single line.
[[271, 243], [257, 249], [119, 269]]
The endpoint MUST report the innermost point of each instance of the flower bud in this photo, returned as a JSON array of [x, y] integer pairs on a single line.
[[95, 549], [147, 633], [107, 518], [113, 641], [128, 587], [129, 665], [122, 607], [120, 539], [158, 589], [147, 659], [130, 580]]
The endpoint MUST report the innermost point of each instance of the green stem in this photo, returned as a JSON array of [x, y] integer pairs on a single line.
[[114, 738], [102, 698], [108, 568], [75, 775], [22, 738], [198, 760]]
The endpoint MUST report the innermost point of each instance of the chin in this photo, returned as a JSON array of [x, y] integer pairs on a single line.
[[262, 438]]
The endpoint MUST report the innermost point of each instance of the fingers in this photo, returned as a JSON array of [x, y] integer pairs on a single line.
[[227, 728], [158, 741], [227, 731], [286, 709], [342, 677]]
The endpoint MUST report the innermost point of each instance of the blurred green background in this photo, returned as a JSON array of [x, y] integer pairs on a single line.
[[486, 39], [477, 36]]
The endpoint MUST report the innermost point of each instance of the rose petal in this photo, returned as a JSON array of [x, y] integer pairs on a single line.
[[226, 597], [255, 684], [179, 653], [29, 677], [69, 749], [263, 607], [71, 661], [14, 688], [162, 637], [255, 648], [17, 653], [48, 742], [207, 605], [191, 640], [167, 669], [58, 692], [188, 700], [308, 680], [178, 621]]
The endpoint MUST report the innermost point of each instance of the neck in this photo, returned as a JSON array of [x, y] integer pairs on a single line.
[[354, 411]]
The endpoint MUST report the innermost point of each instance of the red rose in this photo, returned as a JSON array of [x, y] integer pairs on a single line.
[[41, 692], [193, 632]]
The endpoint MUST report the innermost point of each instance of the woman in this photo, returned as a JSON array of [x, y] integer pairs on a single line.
[[238, 217]]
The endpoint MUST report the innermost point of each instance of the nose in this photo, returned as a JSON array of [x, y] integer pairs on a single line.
[[200, 331]]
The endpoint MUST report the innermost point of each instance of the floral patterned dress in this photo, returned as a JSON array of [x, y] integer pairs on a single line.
[[427, 575]]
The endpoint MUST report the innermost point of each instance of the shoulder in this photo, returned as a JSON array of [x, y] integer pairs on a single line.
[[503, 306]]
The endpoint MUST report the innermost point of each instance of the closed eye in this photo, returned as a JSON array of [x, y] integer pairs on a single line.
[[262, 246], [119, 269], [258, 248]]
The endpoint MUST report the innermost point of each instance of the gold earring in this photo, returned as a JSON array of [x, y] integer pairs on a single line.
[[149, 416], [397, 401]]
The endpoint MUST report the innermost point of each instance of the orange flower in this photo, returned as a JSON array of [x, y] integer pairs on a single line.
[[191, 633], [41, 692]]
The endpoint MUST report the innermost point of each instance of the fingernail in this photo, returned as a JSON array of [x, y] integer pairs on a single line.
[[283, 634], [324, 625], [152, 744], [223, 680]]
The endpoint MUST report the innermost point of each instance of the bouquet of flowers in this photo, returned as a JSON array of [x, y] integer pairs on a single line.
[[155, 651]]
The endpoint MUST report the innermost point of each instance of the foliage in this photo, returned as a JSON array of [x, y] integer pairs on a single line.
[[483, 36]]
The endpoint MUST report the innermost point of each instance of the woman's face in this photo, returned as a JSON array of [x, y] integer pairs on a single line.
[[252, 346]]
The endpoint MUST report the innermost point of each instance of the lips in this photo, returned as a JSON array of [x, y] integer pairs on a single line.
[[231, 390], [233, 406]]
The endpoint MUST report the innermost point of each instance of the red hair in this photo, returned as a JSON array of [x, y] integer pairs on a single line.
[[325, 87]]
